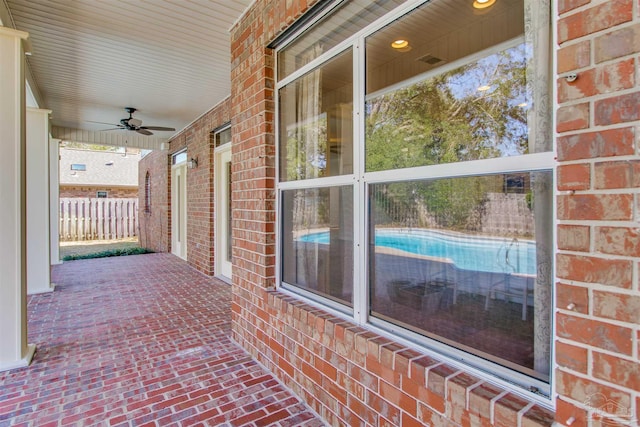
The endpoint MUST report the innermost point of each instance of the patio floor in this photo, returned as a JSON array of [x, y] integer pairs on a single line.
[[140, 340]]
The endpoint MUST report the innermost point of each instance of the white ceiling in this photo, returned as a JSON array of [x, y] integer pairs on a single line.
[[92, 58]]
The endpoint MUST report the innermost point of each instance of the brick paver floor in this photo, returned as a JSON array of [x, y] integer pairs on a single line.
[[140, 340]]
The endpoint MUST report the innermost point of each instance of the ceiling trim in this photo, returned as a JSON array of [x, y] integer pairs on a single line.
[[116, 138]]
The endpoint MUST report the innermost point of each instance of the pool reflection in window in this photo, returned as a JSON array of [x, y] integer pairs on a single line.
[[460, 260], [325, 266]]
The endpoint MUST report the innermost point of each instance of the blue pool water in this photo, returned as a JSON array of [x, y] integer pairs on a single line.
[[466, 252]]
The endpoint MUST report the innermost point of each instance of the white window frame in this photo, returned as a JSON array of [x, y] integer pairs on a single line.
[[514, 381]]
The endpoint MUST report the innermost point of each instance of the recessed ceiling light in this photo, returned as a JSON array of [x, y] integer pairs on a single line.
[[484, 88], [400, 44], [483, 4]]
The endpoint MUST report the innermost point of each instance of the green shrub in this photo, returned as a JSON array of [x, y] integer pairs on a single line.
[[112, 252]]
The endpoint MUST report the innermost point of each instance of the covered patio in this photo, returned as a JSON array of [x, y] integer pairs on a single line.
[[140, 340]]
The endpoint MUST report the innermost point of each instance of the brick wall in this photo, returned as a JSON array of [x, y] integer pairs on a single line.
[[598, 298], [348, 374], [200, 190], [87, 191], [155, 229]]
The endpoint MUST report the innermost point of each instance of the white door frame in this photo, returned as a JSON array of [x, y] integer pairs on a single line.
[[179, 209], [223, 263]]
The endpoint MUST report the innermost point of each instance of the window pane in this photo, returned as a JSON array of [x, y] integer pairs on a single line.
[[317, 241], [467, 261], [316, 131], [223, 137], [179, 157], [457, 91], [340, 24]]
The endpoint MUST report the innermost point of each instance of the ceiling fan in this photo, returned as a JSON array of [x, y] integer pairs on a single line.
[[130, 123]]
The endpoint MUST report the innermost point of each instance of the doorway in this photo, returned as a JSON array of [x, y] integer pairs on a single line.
[[223, 214], [179, 205]]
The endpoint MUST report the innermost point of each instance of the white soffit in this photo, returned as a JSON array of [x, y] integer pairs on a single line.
[[168, 59]]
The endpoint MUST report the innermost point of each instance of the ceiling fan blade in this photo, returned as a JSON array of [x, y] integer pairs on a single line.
[[158, 128], [144, 131], [102, 123], [104, 130]]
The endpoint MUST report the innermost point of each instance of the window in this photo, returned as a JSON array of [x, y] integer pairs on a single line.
[[179, 157], [147, 192], [78, 167], [101, 194], [416, 180], [222, 136]]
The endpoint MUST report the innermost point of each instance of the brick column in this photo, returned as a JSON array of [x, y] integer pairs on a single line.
[[598, 299]]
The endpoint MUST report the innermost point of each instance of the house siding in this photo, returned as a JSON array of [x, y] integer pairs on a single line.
[[87, 191]]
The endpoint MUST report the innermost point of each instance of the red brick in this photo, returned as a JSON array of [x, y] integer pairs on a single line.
[[620, 174], [566, 411], [595, 207], [615, 370], [574, 177], [574, 237], [363, 411], [409, 421], [574, 56], [595, 19], [402, 400], [615, 306], [506, 410], [573, 117], [612, 272], [592, 332], [480, 400], [419, 367], [457, 390], [589, 392], [617, 241], [622, 42], [567, 5], [618, 109], [606, 79], [572, 296], [538, 417], [606, 143], [572, 357], [383, 407]]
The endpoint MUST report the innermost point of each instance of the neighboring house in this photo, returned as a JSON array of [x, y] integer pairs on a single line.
[[96, 173]]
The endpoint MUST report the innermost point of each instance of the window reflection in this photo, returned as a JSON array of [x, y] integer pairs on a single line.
[[317, 241], [475, 111], [462, 261], [316, 133]]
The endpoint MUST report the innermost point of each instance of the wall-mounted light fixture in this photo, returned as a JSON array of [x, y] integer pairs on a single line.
[[192, 163]]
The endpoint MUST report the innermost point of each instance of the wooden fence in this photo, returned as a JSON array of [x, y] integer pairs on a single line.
[[97, 219]]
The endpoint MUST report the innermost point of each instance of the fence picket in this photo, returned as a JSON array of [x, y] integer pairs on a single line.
[[97, 219]]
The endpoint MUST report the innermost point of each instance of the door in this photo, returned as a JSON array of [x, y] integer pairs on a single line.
[[179, 210], [223, 211]]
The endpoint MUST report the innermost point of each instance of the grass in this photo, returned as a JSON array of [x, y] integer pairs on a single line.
[[108, 253]]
